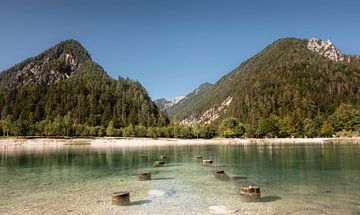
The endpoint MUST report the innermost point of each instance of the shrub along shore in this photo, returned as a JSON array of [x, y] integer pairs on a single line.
[[344, 122]]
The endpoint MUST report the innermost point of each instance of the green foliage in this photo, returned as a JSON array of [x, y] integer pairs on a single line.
[[101, 131], [326, 129], [267, 128], [6, 125], [183, 131], [289, 126], [140, 131], [110, 130], [250, 130], [346, 117], [231, 127], [151, 132], [312, 127], [348, 133], [206, 131], [129, 131], [19, 127]]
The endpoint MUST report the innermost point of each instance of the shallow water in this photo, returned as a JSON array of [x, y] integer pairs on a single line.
[[294, 179]]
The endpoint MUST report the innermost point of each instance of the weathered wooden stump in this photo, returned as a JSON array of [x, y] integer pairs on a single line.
[[250, 193], [159, 163], [144, 176], [207, 162], [220, 174], [121, 198], [162, 157], [198, 156]]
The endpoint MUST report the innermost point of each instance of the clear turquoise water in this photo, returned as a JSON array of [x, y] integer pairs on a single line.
[[294, 179]]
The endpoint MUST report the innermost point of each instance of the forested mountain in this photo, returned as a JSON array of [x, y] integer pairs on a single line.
[[289, 87], [63, 92]]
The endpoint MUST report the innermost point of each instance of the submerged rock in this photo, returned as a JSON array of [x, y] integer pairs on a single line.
[[156, 193], [144, 176], [221, 209]]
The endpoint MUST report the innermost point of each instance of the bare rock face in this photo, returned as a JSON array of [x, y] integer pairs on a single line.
[[51, 66], [45, 72], [326, 49], [209, 115]]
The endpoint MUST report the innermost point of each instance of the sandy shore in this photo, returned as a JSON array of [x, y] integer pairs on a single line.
[[13, 143]]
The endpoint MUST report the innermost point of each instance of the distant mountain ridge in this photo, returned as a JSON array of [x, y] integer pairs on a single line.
[[182, 105], [294, 78], [164, 104]]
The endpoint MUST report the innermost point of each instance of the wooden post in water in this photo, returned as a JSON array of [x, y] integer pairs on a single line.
[[220, 174], [159, 163], [144, 176], [121, 198], [207, 162], [250, 193]]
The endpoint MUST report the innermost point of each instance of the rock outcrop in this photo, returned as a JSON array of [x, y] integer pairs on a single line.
[[37, 72], [326, 49], [52, 66], [209, 115]]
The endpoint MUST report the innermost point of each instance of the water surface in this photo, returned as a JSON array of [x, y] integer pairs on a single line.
[[294, 179]]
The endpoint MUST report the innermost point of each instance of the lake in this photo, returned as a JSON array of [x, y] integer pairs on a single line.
[[293, 178]]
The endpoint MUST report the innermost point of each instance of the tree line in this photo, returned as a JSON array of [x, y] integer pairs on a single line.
[[345, 121]]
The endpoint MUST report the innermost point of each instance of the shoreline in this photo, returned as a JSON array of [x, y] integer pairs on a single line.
[[102, 142]]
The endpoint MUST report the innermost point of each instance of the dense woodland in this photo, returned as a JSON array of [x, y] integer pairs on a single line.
[[284, 91]]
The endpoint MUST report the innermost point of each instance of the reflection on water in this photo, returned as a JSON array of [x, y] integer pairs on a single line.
[[303, 179]]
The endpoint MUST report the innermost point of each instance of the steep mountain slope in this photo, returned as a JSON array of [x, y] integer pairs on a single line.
[[291, 79], [63, 83], [184, 106], [164, 104]]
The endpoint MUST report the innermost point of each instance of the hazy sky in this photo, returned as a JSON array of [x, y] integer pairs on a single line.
[[171, 46]]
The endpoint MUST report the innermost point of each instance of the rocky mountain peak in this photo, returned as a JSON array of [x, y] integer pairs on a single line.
[[164, 104], [53, 65], [325, 48]]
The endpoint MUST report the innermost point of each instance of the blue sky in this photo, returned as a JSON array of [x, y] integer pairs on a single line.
[[171, 46]]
